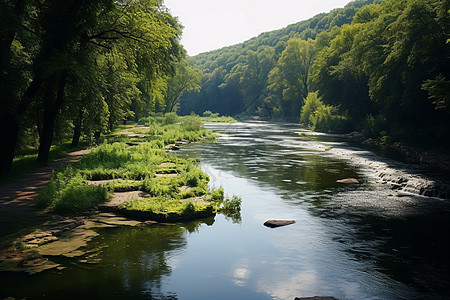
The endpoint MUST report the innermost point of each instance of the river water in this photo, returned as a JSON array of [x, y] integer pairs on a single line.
[[360, 241]]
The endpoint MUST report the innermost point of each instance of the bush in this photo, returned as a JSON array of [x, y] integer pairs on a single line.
[[312, 102], [207, 114], [211, 115], [68, 193], [231, 206], [170, 118], [321, 116], [192, 123], [217, 195]]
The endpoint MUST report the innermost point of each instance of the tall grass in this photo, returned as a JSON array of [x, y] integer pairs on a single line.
[[130, 168], [68, 193]]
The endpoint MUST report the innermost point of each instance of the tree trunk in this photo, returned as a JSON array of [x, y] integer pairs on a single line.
[[10, 123], [77, 130], [51, 109], [8, 142]]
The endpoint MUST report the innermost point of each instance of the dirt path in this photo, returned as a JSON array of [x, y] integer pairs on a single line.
[[17, 205]]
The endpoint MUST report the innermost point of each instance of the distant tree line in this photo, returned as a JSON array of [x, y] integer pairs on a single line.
[[381, 67], [75, 68]]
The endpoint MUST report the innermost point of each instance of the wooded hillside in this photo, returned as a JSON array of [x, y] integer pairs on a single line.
[[381, 67]]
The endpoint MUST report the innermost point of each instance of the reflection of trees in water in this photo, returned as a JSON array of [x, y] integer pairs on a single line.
[[271, 164], [412, 249], [137, 258]]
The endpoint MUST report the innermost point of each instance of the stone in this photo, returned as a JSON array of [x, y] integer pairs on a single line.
[[278, 223], [315, 298], [69, 242], [348, 181]]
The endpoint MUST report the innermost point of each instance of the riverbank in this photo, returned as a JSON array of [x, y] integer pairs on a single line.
[[408, 177], [429, 159], [132, 174]]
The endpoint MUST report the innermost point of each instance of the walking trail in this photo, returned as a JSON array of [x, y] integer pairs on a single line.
[[17, 198]]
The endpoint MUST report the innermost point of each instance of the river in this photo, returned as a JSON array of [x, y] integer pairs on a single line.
[[357, 241]]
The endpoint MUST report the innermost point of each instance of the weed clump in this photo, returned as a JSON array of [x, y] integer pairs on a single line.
[[68, 193]]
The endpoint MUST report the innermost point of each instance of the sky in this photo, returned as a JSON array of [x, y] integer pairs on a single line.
[[213, 24]]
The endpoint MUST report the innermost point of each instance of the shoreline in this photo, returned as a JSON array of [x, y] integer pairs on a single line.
[[430, 159]]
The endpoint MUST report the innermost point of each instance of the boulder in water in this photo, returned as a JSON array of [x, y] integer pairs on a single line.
[[348, 180], [278, 223], [316, 298]]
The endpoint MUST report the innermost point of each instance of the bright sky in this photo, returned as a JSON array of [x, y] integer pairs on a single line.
[[213, 24]]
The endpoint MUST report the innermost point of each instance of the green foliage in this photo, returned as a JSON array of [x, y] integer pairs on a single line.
[[217, 195], [170, 118], [322, 117], [325, 118], [187, 78], [375, 127], [231, 206], [235, 78], [68, 193], [164, 205], [109, 63], [438, 91], [145, 166], [192, 123], [195, 177], [312, 102], [208, 116], [288, 81]]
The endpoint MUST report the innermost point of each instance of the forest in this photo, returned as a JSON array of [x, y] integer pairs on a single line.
[[71, 70], [377, 67]]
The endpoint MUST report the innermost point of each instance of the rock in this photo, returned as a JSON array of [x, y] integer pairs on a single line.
[[348, 180], [315, 298], [278, 223]]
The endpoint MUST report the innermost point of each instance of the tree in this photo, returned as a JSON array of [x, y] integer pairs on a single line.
[[289, 80], [66, 37], [15, 68], [186, 79]]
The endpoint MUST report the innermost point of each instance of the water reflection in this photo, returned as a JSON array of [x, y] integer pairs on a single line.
[[400, 241], [350, 242], [132, 264]]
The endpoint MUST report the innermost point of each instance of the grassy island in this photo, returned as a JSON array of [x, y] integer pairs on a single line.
[[133, 173]]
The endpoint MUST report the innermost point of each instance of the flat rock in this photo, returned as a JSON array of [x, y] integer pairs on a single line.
[[348, 180], [278, 223], [316, 298], [69, 242]]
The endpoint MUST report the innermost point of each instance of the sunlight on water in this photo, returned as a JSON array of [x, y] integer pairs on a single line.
[[349, 241]]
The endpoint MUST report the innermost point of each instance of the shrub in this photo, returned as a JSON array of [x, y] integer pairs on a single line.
[[217, 195], [192, 123], [170, 118], [321, 116], [312, 102], [207, 114], [231, 206], [195, 177], [68, 193]]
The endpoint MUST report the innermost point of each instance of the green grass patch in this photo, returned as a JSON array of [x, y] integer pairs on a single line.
[[169, 181], [164, 205], [68, 193], [209, 116]]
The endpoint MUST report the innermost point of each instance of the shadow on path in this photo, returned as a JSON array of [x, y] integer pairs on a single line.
[[17, 198]]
